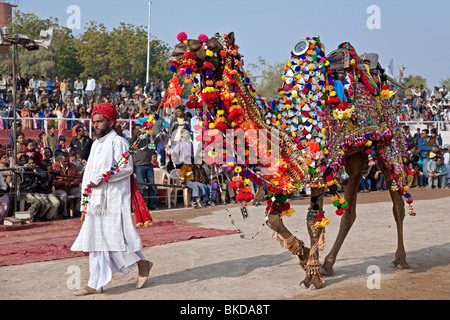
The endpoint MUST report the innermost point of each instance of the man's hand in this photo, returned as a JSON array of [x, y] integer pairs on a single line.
[[93, 185]]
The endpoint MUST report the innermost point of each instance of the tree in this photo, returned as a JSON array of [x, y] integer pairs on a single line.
[[269, 81], [92, 47], [445, 82], [414, 81], [120, 52]]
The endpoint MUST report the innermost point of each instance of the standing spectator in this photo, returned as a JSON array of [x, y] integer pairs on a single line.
[[78, 86], [81, 143], [42, 85], [178, 124], [159, 89], [64, 88], [143, 168], [50, 139], [27, 123], [119, 85], [106, 88], [69, 183], [425, 147], [2, 86], [435, 138], [90, 87], [61, 123], [49, 86], [184, 147], [195, 131], [155, 162]]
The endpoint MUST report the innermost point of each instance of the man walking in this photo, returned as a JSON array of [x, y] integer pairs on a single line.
[[108, 233]]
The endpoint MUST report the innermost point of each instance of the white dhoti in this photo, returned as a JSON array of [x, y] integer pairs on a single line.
[[102, 266]]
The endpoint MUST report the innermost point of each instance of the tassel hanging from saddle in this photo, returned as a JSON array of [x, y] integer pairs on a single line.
[[140, 209]]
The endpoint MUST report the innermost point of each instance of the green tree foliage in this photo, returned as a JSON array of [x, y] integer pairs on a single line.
[[120, 52], [445, 82], [266, 77], [414, 81]]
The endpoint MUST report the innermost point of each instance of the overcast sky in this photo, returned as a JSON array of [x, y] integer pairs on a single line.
[[413, 33]]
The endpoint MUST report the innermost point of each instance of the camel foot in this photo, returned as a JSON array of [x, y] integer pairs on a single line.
[[400, 265], [312, 282], [327, 269]]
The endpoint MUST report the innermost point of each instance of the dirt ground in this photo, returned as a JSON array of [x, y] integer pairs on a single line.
[[231, 268]]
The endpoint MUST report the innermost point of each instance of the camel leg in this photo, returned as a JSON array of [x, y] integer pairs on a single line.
[[399, 216], [288, 241], [314, 278], [354, 168]]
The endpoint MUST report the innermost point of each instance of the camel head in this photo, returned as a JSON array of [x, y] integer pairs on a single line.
[[202, 56]]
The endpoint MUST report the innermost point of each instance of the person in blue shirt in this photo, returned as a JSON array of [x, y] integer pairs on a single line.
[[50, 86], [425, 147]]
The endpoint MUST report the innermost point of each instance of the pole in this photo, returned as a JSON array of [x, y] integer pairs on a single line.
[[148, 42], [14, 127]]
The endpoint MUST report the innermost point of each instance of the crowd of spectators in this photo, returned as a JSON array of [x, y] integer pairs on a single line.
[[52, 167], [417, 104]]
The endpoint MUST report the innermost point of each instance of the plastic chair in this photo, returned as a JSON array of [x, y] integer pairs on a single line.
[[187, 193], [160, 176]]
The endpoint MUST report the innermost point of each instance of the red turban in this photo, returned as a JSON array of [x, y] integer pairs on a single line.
[[107, 110]]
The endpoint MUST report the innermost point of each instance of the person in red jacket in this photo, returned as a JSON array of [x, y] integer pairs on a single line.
[[68, 183]]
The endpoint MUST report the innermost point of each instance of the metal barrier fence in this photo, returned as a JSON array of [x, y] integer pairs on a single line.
[[87, 122]]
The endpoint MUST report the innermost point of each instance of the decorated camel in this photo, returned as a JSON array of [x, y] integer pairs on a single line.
[[330, 115]]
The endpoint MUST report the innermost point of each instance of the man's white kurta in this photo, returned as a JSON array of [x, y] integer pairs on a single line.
[[108, 225]]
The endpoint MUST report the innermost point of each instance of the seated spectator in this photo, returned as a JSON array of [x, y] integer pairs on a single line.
[[30, 151], [437, 173], [79, 161], [412, 178], [45, 189], [377, 178], [47, 154], [8, 175], [365, 184], [61, 144], [187, 181], [211, 173], [5, 200], [419, 175], [155, 162], [68, 184], [22, 159], [20, 143], [201, 177], [29, 189], [227, 180]]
